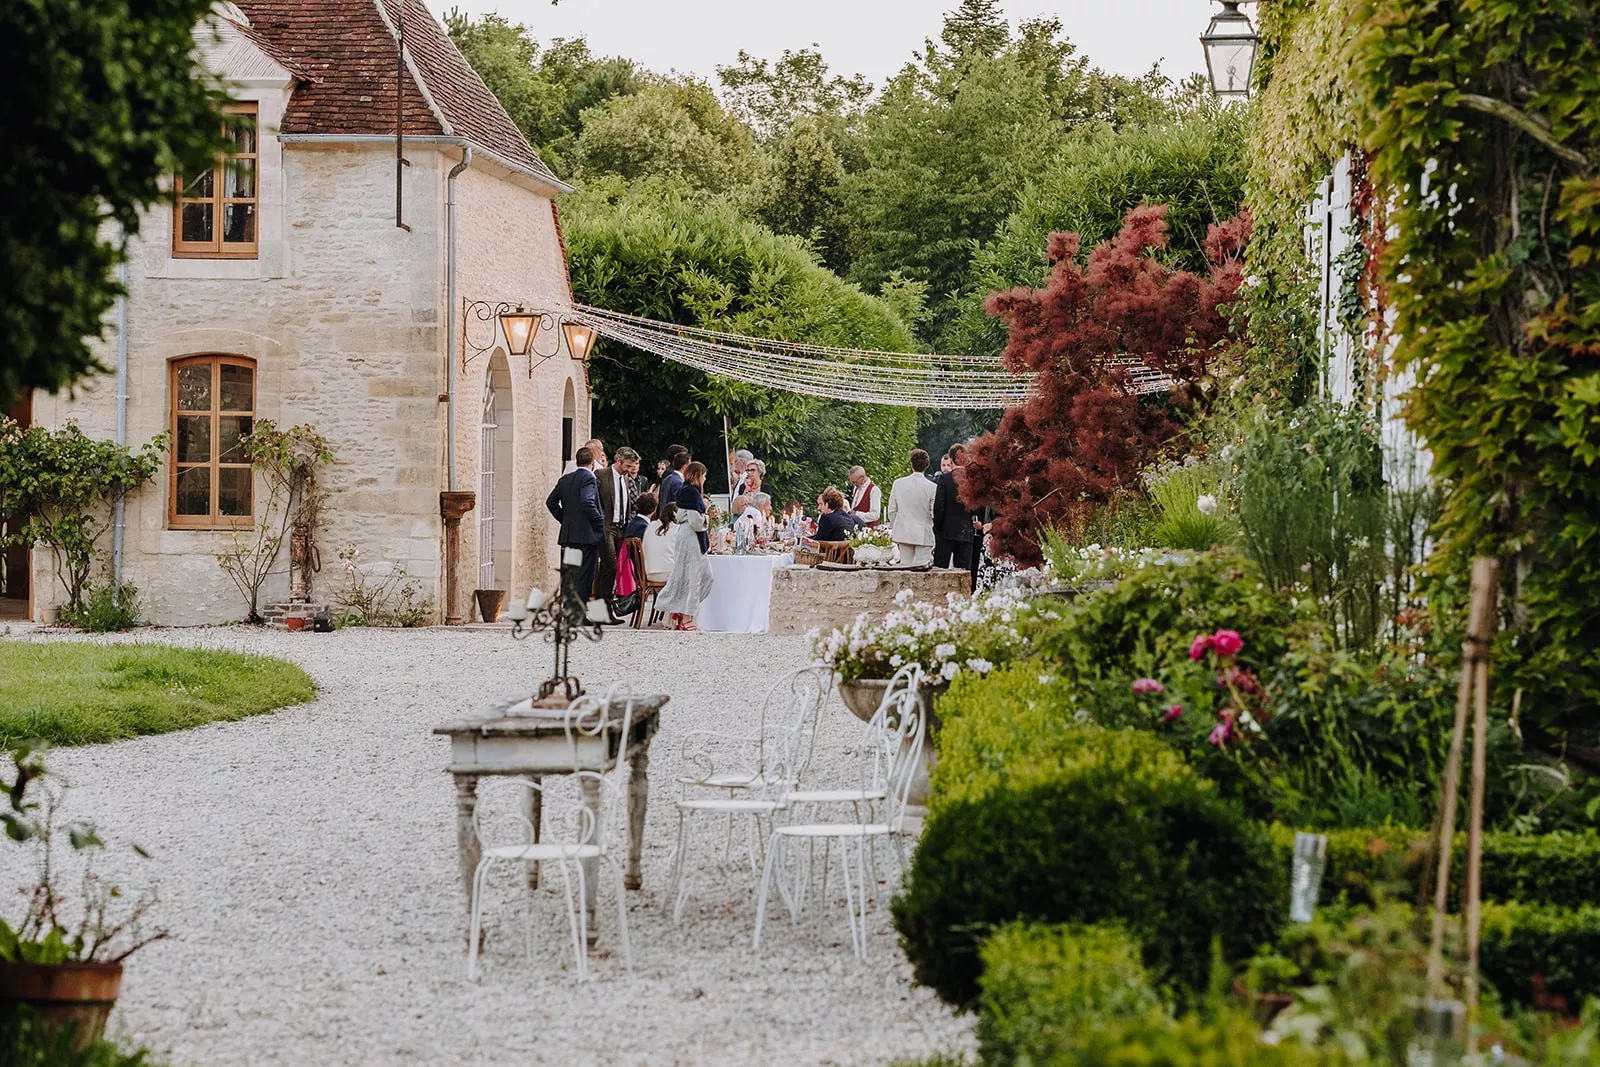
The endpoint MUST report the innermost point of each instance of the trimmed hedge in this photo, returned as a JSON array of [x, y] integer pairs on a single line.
[[1232, 1041], [1560, 868], [1528, 950], [1042, 985], [1077, 824]]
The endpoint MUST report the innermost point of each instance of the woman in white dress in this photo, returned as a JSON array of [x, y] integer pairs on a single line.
[[689, 579]]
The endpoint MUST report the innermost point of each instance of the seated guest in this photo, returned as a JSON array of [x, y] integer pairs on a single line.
[[754, 472], [736, 507], [659, 544], [644, 511], [836, 522]]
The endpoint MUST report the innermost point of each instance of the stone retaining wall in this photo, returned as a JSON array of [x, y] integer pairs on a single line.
[[804, 598]]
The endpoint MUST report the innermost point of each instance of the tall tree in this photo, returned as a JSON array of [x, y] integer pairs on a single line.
[[771, 97], [544, 90], [1084, 432], [100, 102], [675, 132], [706, 266]]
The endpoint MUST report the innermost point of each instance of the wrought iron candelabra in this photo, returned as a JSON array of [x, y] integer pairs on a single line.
[[560, 618]]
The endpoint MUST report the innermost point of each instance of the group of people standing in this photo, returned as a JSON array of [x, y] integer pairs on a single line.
[[602, 506]]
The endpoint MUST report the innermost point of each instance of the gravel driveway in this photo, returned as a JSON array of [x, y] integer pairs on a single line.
[[307, 867]]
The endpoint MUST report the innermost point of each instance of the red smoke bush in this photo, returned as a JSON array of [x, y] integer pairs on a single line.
[[1083, 433]]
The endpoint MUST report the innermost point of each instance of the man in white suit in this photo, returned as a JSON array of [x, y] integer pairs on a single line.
[[911, 513]]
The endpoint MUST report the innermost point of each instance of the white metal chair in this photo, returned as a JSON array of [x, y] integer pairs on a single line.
[[894, 753], [863, 796], [744, 775], [591, 835]]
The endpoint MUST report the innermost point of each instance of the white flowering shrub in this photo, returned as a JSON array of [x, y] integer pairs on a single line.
[[1075, 564], [963, 634]]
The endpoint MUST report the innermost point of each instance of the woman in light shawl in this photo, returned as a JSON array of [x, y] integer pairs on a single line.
[[689, 581]]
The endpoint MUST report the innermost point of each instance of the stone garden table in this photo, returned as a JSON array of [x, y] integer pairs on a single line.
[[513, 737]]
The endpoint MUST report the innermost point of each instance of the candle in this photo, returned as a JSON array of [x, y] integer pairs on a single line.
[[517, 610], [536, 598]]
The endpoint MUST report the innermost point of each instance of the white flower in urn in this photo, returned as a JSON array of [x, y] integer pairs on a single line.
[[944, 651], [1207, 504], [949, 671]]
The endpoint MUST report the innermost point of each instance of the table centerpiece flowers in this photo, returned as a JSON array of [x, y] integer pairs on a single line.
[[872, 544]]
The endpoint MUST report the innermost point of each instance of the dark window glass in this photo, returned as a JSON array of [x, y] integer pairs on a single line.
[[231, 429], [194, 438], [238, 388], [194, 387], [194, 491], [233, 491], [197, 220]]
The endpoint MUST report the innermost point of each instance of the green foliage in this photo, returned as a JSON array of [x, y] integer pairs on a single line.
[[1184, 523], [67, 483], [1044, 985], [1536, 951], [387, 597], [1368, 864], [797, 86], [545, 92], [1190, 1041], [76, 694], [674, 132], [287, 462], [104, 100], [1078, 824], [26, 1042], [1482, 128], [107, 609], [668, 260], [1318, 517], [1088, 187]]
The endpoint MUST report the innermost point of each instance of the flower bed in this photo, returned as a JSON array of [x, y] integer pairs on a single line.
[[963, 634]]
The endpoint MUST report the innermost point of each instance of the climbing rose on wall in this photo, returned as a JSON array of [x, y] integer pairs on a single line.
[[1084, 432]]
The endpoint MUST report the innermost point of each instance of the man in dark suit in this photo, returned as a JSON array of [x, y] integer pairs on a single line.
[[617, 496], [952, 522], [672, 481], [575, 504]]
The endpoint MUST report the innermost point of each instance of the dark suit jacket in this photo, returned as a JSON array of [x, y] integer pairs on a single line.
[[607, 488], [836, 525], [690, 499], [575, 504], [951, 519], [671, 482], [636, 527]]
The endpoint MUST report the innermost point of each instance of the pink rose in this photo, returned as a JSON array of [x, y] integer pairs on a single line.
[[1201, 645], [1222, 733], [1146, 686], [1172, 713], [1226, 642]]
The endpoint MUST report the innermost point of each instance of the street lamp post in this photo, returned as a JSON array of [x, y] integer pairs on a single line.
[[1230, 43]]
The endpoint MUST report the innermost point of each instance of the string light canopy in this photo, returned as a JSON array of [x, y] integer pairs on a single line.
[[896, 379]]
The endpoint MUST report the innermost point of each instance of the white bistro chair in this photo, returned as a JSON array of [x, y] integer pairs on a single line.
[[744, 775], [577, 833], [889, 766]]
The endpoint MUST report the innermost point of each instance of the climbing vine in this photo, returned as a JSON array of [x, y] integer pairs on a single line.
[[1482, 123]]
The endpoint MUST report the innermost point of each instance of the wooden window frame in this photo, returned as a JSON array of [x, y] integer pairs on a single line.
[[214, 520], [217, 248]]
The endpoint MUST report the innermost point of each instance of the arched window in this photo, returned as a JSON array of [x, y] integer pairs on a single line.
[[213, 409]]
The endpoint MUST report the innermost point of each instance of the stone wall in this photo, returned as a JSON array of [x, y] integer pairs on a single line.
[[807, 598], [507, 250], [342, 314]]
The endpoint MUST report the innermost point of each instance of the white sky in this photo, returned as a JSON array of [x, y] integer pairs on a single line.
[[870, 37]]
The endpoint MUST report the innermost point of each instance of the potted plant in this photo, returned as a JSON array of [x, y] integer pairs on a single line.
[[872, 544], [490, 601], [67, 969]]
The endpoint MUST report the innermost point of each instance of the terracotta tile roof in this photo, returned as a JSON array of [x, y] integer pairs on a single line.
[[348, 48]]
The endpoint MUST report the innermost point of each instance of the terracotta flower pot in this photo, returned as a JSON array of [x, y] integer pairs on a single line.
[[65, 994], [294, 622], [490, 601]]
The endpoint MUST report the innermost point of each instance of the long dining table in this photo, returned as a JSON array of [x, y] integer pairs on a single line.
[[741, 592]]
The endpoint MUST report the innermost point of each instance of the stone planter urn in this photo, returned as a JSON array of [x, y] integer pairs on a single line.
[[76, 994], [490, 601], [863, 696]]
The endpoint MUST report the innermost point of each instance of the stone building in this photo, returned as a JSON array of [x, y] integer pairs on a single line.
[[281, 286]]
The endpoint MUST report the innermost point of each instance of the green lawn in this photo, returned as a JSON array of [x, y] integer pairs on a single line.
[[77, 694]]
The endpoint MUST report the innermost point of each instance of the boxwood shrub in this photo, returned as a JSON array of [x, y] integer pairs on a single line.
[[1042, 985], [1542, 954], [1078, 824], [1558, 868]]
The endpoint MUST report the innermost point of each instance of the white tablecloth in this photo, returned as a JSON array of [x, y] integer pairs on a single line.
[[741, 593]]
